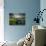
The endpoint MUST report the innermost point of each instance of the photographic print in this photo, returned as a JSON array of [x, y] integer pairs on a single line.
[[16, 18]]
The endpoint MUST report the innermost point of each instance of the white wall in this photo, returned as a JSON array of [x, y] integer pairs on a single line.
[[1, 21], [43, 6], [29, 7]]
